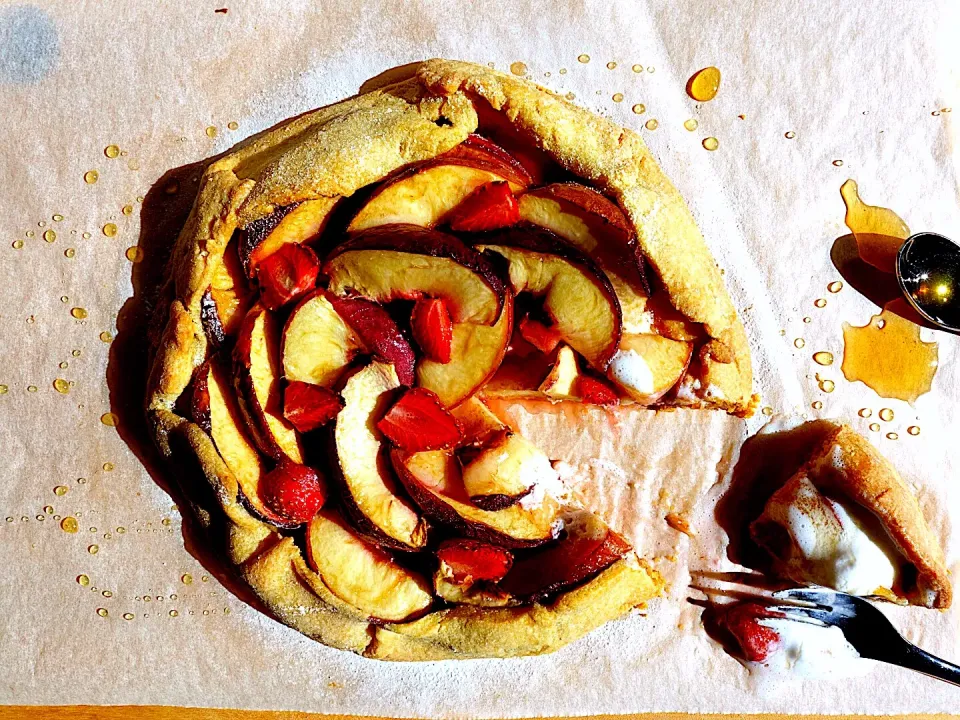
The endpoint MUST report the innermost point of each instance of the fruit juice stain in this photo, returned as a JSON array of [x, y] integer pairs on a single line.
[[888, 356]]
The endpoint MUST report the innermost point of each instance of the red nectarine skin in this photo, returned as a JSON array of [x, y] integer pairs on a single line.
[[417, 421], [489, 207], [200, 398], [562, 564], [287, 274], [432, 329], [472, 561], [210, 320], [379, 332], [422, 241], [755, 640], [480, 148], [310, 406], [256, 232], [294, 492]]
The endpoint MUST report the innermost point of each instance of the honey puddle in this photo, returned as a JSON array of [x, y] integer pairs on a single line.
[[879, 231], [888, 356]]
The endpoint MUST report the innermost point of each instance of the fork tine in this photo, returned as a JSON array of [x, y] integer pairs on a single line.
[[822, 597], [814, 616]]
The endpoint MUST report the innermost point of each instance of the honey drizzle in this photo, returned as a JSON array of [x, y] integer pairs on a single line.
[[879, 231]]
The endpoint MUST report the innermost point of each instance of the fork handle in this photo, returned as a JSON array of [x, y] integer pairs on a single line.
[[914, 658]]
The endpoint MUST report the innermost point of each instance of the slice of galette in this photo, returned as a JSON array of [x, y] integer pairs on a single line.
[[848, 521], [349, 288]]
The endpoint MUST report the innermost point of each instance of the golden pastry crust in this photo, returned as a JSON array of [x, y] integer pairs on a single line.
[[845, 465], [335, 151]]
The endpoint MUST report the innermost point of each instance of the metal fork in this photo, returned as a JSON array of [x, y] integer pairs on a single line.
[[864, 626]]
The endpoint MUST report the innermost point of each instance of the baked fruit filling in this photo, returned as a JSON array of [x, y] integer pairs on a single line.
[[354, 341]]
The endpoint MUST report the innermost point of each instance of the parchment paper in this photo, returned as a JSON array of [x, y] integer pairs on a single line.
[[857, 82]]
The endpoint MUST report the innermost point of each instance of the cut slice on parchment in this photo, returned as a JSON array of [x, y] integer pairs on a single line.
[[381, 269]]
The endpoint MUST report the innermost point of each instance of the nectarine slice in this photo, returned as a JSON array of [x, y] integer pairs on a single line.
[[505, 471], [362, 574], [370, 496], [647, 366], [298, 223], [317, 344]]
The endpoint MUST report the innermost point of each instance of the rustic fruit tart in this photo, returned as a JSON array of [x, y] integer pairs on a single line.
[[349, 289]]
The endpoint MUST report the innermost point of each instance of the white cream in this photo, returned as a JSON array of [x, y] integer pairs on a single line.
[[538, 474], [810, 650], [831, 545], [630, 370]]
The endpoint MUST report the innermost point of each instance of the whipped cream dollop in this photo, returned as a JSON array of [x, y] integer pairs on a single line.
[[537, 472], [809, 650], [629, 369], [830, 543]]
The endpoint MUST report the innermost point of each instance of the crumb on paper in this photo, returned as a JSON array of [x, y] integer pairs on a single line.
[[679, 523]]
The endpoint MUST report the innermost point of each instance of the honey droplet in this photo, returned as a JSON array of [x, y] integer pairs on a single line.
[[691, 124], [913, 430], [823, 358], [17, 244], [817, 405], [518, 68], [134, 254], [704, 84], [611, 65], [768, 411], [835, 287], [128, 616], [111, 151], [107, 594], [886, 414], [61, 386], [808, 320], [651, 69], [49, 235], [875, 427], [879, 231], [174, 613], [110, 229], [108, 466], [790, 135], [827, 386], [892, 436], [838, 163], [31, 388], [637, 68], [102, 612], [86, 236], [93, 549], [109, 419], [127, 209], [82, 481], [106, 337], [711, 143], [888, 356], [651, 124], [799, 343], [75, 353], [639, 109], [4, 389], [186, 579], [570, 96], [583, 58], [165, 522], [69, 253], [83, 580], [563, 71], [618, 97], [61, 490], [79, 313], [232, 125], [121, 530], [57, 217], [91, 176], [820, 303], [865, 412], [211, 131], [69, 525]]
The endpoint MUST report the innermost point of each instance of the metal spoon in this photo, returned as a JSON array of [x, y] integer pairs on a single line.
[[928, 270]]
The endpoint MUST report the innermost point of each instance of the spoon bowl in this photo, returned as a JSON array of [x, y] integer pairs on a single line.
[[928, 271]]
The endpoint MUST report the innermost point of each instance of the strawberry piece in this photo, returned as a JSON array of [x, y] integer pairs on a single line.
[[294, 492], [310, 406], [755, 640], [543, 338], [290, 272], [417, 421], [433, 329], [596, 392], [489, 207], [379, 333], [465, 562]]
